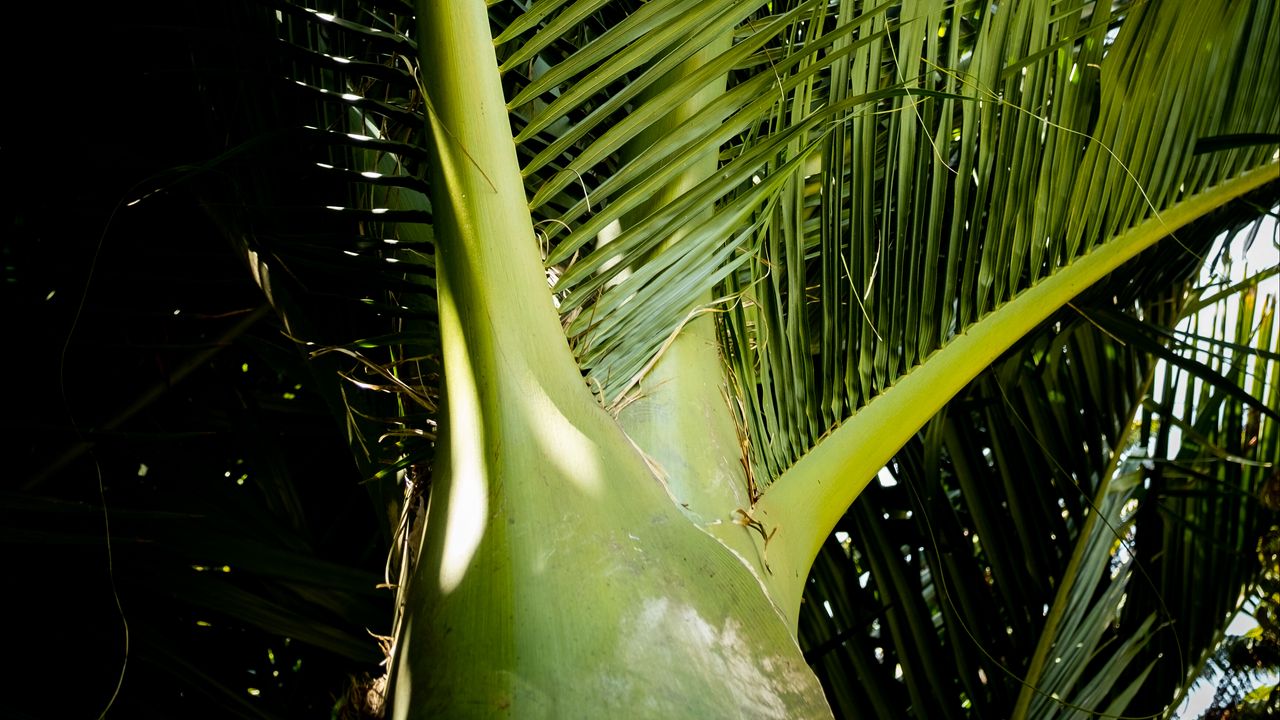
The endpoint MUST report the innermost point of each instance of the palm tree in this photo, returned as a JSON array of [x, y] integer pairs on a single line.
[[665, 286]]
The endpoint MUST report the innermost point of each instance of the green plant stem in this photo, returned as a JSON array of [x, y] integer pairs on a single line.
[[554, 577], [807, 501], [680, 416]]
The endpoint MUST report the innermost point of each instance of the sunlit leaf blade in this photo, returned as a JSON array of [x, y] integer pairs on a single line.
[[1058, 612]]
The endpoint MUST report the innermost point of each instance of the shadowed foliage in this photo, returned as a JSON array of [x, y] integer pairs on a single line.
[[253, 379]]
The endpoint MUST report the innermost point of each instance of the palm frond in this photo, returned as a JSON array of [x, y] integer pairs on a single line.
[[331, 212], [966, 151], [1033, 533], [1032, 163]]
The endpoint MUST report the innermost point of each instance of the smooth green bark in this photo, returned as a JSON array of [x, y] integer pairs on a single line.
[[679, 412], [555, 577]]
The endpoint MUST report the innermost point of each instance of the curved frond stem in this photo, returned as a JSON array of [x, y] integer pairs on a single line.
[[808, 499]]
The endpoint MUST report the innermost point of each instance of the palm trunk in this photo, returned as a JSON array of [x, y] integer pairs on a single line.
[[558, 577]]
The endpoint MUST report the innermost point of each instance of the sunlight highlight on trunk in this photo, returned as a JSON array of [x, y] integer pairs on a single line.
[[469, 493], [564, 445]]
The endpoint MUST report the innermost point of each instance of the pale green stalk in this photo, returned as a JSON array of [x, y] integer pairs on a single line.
[[807, 501], [678, 413], [555, 577]]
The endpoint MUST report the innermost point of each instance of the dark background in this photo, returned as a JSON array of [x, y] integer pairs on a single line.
[[106, 106]]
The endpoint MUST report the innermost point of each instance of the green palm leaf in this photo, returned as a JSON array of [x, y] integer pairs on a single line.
[[1050, 606], [875, 203]]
